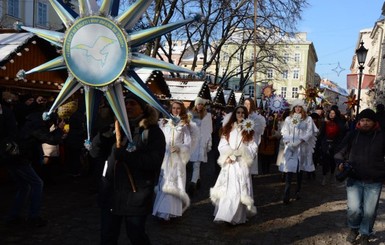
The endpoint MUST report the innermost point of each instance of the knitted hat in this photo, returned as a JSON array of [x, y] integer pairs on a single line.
[[199, 100], [367, 113]]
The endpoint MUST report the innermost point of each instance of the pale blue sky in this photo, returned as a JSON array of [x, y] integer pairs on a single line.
[[333, 26]]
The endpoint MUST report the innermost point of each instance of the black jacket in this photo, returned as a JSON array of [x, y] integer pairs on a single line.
[[144, 166], [365, 152]]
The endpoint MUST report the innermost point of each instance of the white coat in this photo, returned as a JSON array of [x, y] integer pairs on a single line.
[[300, 157], [171, 197], [259, 128], [204, 143], [232, 193]]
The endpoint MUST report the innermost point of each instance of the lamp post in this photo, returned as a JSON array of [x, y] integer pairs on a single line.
[[255, 52], [361, 53]]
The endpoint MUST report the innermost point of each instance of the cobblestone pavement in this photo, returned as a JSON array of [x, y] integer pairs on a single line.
[[317, 218]]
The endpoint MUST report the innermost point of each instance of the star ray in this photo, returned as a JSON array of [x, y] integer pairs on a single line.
[[129, 18], [140, 37], [106, 6], [53, 37], [141, 60], [89, 99], [65, 16], [114, 95], [69, 88], [55, 64], [136, 85]]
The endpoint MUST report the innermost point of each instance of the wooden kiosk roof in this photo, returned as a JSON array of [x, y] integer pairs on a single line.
[[21, 50]]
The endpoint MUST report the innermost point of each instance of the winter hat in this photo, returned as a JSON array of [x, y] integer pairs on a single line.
[[367, 113], [141, 102], [199, 100], [298, 102]]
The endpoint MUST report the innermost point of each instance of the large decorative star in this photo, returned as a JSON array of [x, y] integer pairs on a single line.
[[98, 50], [311, 94], [351, 103]]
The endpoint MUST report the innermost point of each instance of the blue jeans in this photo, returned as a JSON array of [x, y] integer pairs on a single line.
[[27, 182], [362, 204]]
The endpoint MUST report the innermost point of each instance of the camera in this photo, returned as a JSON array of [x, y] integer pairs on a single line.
[[346, 172]]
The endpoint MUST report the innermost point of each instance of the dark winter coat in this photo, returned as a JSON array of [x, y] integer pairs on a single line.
[[34, 133], [144, 166], [365, 152], [8, 132], [328, 145]]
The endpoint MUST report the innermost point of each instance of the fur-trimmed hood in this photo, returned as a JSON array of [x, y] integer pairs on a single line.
[[150, 117]]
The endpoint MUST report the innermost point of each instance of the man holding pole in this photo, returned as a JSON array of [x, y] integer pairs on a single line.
[[130, 175]]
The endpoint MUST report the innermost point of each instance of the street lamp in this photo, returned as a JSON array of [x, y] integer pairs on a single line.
[[255, 51], [361, 53]]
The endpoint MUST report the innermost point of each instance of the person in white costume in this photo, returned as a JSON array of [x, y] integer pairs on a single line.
[[299, 136], [259, 128], [232, 193], [171, 198], [203, 120]]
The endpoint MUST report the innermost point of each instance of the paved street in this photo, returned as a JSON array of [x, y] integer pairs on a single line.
[[318, 218]]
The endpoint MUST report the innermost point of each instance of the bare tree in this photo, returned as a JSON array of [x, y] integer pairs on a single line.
[[222, 20], [223, 23]]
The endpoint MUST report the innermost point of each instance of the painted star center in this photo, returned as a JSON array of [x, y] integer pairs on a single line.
[[95, 51]]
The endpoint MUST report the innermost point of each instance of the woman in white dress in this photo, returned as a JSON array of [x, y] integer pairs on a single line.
[[232, 193], [298, 135], [171, 198], [259, 128], [203, 121]]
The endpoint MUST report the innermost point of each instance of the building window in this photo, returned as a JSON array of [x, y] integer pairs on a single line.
[[285, 74], [236, 87], [286, 57], [270, 58], [251, 91], [296, 74], [13, 8], [294, 92], [269, 73], [283, 92], [42, 15], [297, 57], [223, 70]]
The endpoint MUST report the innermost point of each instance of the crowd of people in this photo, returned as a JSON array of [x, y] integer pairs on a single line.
[[148, 174]]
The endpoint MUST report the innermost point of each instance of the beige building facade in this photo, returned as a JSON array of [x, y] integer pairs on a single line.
[[290, 70], [32, 13]]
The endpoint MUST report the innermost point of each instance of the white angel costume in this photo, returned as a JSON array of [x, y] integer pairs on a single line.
[[299, 138], [171, 197], [259, 128], [205, 126], [232, 193], [204, 143]]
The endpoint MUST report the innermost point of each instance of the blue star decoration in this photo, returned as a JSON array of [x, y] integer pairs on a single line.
[[338, 69]]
